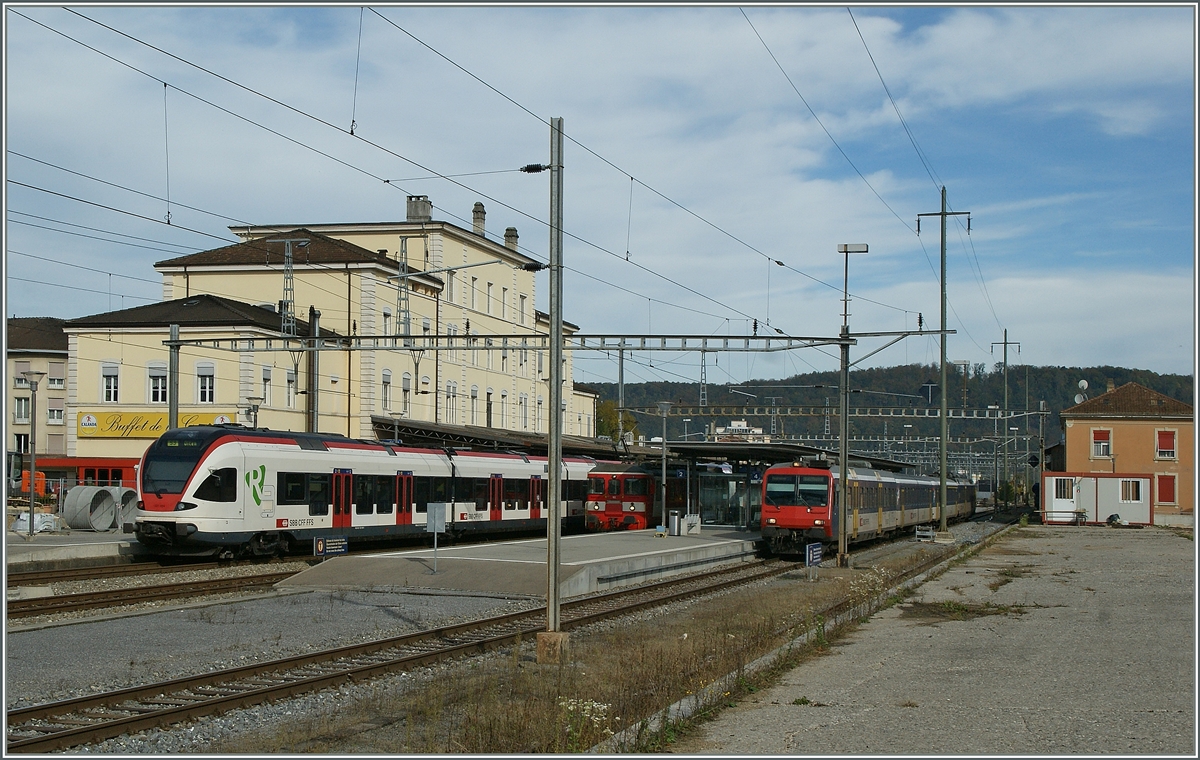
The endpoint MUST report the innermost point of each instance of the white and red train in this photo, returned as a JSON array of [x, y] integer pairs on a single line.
[[799, 504], [231, 490]]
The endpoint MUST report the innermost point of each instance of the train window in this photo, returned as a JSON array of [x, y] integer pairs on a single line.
[[116, 477], [385, 493], [318, 494], [290, 489], [221, 485], [516, 494], [637, 486], [596, 486], [813, 490], [614, 486], [476, 490], [780, 490], [440, 489], [574, 490], [364, 494], [89, 477], [421, 494]]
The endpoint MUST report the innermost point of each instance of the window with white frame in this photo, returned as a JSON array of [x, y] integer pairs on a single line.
[[487, 342], [21, 410], [489, 298], [504, 360], [387, 321], [19, 380], [425, 325], [157, 379], [504, 303], [475, 349], [291, 389], [452, 331], [1165, 446], [474, 292], [521, 310], [1101, 444], [1064, 489], [537, 417], [21, 441], [266, 386], [206, 384], [406, 394], [56, 376], [523, 410], [452, 403], [1131, 490], [450, 280], [55, 409], [385, 394], [474, 404], [110, 383], [504, 409]]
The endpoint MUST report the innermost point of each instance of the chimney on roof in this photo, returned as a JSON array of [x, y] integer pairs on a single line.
[[1111, 386], [477, 215], [419, 208], [510, 238]]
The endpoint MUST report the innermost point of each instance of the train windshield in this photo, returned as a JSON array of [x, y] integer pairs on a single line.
[[797, 490], [637, 486], [171, 459], [596, 486]]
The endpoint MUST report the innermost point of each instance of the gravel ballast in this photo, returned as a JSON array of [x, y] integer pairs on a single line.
[[63, 661]]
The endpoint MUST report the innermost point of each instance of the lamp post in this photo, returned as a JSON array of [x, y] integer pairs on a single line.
[[844, 393], [664, 407], [252, 409], [32, 376], [685, 424]]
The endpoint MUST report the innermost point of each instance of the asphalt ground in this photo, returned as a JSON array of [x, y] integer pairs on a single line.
[[1053, 640]]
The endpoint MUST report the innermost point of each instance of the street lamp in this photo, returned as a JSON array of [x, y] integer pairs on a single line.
[[32, 376], [664, 407], [252, 409], [685, 424]]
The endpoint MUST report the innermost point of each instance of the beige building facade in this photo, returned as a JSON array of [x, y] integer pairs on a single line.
[[347, 279]]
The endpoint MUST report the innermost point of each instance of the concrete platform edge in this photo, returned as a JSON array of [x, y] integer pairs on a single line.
[[685, 708]]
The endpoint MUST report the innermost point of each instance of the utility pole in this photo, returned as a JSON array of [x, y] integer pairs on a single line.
[[843, 559], [1006, 344], [944, 410], [553, 644]]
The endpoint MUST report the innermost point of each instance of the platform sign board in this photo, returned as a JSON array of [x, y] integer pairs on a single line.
[[330, 545], [435, 523], [812, 555], [812, 559], [435, 520]]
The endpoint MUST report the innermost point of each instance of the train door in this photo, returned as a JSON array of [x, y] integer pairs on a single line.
[[404, 498], [342, 491], [535, 496], [496, 497]]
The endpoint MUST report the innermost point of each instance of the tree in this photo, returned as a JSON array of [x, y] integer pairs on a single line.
[[606, 420]]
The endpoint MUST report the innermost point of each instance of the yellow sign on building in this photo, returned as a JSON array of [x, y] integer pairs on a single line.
[[105, 424]]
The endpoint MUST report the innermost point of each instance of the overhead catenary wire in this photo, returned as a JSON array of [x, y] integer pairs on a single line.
[[97, 229], [91, 237], [357, 137]]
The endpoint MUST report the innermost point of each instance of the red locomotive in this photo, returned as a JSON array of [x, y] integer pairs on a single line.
[[620, 497]]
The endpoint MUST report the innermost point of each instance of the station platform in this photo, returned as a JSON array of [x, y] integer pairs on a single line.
[[587, 564], [59, 549]]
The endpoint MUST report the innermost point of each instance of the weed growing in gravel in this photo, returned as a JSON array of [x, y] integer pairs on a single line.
[[620, 674]]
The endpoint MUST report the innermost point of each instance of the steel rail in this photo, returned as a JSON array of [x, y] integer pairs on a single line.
[[18, 608], [70, 722]]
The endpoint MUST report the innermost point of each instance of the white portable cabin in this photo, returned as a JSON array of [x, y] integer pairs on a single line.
[[1078, 498]]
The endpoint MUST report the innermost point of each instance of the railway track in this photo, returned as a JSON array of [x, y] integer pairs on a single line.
[[101, 572], [84, 720], [18, 608]]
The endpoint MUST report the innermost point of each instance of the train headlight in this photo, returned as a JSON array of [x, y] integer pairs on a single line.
[[818, 522], [770, 521], [181, 506]]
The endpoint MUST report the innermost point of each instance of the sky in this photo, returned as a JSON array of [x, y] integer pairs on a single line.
[[716, 156]]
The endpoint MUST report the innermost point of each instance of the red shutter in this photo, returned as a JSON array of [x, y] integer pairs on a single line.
[[1166, 440], [1100, 435], [1166, 489]]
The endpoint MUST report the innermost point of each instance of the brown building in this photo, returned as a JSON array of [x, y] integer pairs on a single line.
[[1135, 430]]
